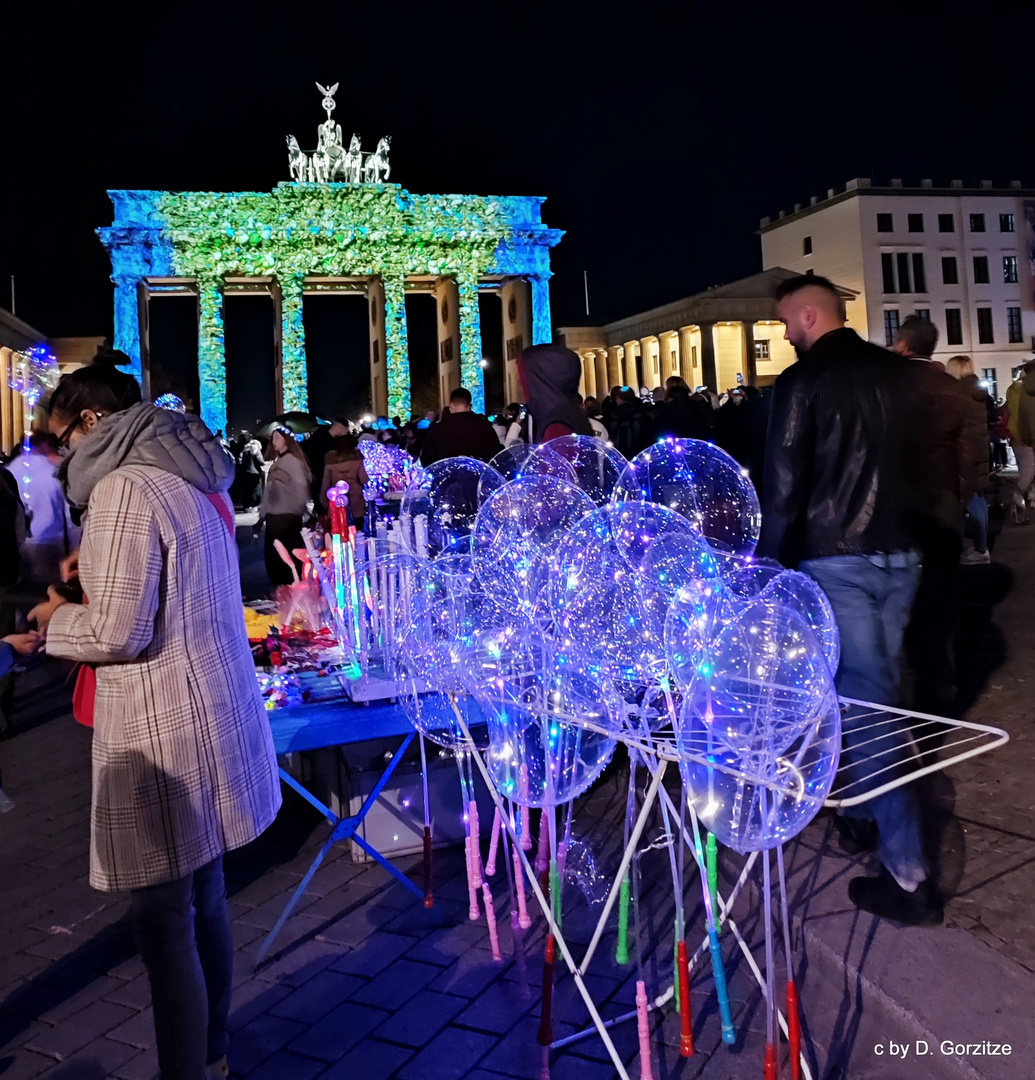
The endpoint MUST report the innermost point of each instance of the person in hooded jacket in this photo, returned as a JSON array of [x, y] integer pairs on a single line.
[[345, 462], [1020, 397], [630, 426], [184, 767], [550, 377]]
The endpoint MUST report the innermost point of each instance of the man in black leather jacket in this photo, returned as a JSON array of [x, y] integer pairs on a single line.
[[839, 488]]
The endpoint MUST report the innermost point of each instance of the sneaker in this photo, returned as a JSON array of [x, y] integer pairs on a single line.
[[884, 897], [6, 802], [973, 557]]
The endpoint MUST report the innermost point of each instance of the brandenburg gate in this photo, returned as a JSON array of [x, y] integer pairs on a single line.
[[319, 234]]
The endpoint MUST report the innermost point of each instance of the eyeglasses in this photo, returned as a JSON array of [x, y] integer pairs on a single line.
[[67, 433]]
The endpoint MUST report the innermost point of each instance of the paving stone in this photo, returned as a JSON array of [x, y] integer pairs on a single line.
[[444, 945], [25, 1066], [315, 998], [142, 1067], [496, 1009], [135, 994], [79, 1029], [101, 987], [373, 1060], [450, 1056], [356, 927], [262, 1038], [300, 963], [338, 1032], [421, 1018], [469, 975], [374, 955], [396, 984], [138, 1030], [99, 1058], [253, 998], [287, 1066]]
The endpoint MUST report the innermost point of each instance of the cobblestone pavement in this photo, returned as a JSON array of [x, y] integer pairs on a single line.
[[367, 984]]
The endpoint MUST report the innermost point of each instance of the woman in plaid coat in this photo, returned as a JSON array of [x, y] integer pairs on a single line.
[[183, 763]]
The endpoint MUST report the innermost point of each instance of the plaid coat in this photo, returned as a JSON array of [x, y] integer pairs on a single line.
[[183, 761]]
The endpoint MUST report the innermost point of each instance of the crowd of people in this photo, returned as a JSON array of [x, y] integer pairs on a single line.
[[870, 462]]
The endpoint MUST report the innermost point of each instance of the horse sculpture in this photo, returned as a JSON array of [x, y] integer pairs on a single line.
[[377, 168], [298, 162], [353, 165]]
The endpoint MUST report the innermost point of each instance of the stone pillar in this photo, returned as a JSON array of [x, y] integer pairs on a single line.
[[291, 377], [397, 360], [615, 356], [709, 376], [127, 321], [588, 382], [600, 373], [471, 374], [516, 302], [667, 344], [750, 373], [542, 327], [447, 305], [686, 355], [650, 379], [631, 376], [211, 357], [378, 350]]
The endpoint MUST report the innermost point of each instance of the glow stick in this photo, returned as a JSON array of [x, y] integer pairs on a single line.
[[643, 1030], [542, 855], [622, 949], [429, 899], [523, 920], [476, 844], [490, 918], [711, 854], [770, 989], [526, 819], [494, 840], [793, 1019], [545, 1034]]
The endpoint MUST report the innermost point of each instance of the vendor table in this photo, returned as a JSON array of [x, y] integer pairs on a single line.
[[328, 724]]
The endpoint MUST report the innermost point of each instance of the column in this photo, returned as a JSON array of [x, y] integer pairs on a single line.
[[471, 374], [447, 306], [650, 377], [615, 356], [631, 377], [750, 374], [686, 353], [127, 321], [516, 301], [588, 382], [709, 376], [542, 327], [667, 344], [378, 381], [292, 380], [144, 321], [600, 373], [211, 358]]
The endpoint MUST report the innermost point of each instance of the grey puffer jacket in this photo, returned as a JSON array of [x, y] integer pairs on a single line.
[[143, 434]]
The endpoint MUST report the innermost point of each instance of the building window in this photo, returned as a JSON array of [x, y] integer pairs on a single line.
[[990, 382], [903, 272], [950, 272], [693, 356], [673, 359], [887, 265], [923, 313], [762, 349], [919, 276], [946, 223], [806, 246], [977, 222], [1010, 269], [980, 269], [1013, 325], [915, 222], [984, 319], [890, 326], [1005, 225], [884, 223], [953, 326]]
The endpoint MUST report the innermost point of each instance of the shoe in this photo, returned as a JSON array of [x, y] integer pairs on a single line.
[[218, 1070], [973, 557], [6, 802], [856, 834], [884, 897]]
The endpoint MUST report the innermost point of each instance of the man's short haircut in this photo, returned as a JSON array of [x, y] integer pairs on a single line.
[[461, 394], [805, 281], [918, 335]]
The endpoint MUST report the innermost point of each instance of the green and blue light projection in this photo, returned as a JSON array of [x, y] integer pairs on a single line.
[[302, 232]]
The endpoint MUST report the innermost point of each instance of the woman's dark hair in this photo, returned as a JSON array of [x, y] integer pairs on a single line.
[[99, 386], [347, 445]]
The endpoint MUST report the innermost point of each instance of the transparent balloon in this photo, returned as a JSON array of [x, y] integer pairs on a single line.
[[636, 525], [510, 461], [583, 459], [760, 729], [386, 597], [548, 723], [696, 613], [448, 498], [518, 529], [704, 484]]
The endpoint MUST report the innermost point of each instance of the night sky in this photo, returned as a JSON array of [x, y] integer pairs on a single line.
[[658, 135]]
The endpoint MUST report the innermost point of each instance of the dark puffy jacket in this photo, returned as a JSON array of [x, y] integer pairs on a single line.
[[839, 465], [631, 428], [985, 415]]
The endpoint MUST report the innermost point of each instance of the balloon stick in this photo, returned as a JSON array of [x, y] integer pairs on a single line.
[[643, 1030], [429, 898], [622, 950], [476, 844], [494, 840], [686, 1031], [519, 881], [490, 918], [545, 1035], [793, 1020], [472, 893], [712, 860], [770, 991]]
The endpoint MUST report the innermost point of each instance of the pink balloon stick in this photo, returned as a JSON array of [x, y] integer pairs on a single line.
[[643, 1030], [490, 918], [494, 843], [523, 920], [542, 855], [476, 845]]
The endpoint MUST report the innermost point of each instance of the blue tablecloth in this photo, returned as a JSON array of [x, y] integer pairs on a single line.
[[335, 723]]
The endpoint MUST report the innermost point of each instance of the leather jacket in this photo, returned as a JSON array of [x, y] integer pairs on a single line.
[[840, 469]]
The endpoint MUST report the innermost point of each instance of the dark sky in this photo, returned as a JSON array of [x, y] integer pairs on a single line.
[[660, 135]]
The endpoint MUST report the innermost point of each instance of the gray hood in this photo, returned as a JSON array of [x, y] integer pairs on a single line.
[[145, 435]]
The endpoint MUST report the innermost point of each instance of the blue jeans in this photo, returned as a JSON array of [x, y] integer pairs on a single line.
[[977, 508], [182, 929], [872, 597]]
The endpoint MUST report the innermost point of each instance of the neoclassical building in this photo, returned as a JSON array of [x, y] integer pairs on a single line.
[[717, 338]]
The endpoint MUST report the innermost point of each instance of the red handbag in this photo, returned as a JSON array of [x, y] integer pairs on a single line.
[[86, 676]]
